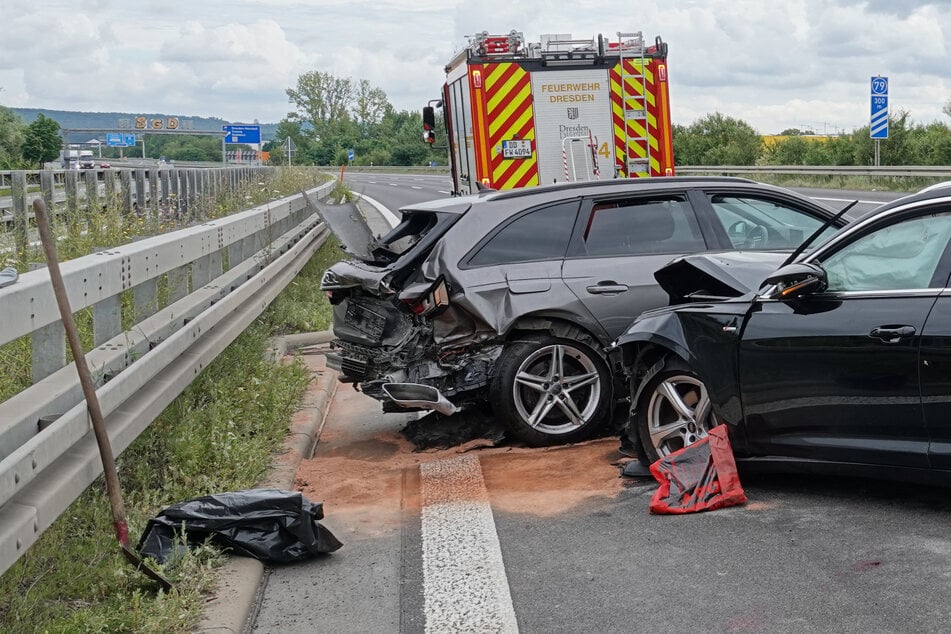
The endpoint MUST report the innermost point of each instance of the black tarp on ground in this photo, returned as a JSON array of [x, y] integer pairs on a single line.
[[272, 525]]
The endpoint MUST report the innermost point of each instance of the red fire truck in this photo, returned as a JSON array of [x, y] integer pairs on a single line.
[[520, 114]]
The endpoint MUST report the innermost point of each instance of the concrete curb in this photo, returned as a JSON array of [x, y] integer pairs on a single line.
[[239, 579]]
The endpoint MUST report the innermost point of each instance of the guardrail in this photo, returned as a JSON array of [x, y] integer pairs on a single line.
[[218, 277], [927, 171], [162, 189]]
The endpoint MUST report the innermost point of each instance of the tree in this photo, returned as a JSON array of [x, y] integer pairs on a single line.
[[947, 107], [321, 99], [370, 106], [716, 140], [41, 140], [11, 139]]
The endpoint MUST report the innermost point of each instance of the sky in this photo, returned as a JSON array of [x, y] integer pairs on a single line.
[[793, 64]]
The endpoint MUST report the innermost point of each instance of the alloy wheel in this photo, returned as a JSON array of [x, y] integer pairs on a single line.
[[557, 389], [678, 413]]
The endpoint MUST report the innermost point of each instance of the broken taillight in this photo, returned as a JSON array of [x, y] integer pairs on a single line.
[[432, 302]]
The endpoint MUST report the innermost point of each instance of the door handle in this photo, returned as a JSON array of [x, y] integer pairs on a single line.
[[607, 286], [892, 334]]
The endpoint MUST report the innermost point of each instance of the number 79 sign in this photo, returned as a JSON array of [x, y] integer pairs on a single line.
[[878, 120]]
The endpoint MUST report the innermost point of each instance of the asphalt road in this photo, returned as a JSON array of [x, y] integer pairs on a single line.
[[554, 541]]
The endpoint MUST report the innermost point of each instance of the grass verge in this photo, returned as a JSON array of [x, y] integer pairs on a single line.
[[218, 435]]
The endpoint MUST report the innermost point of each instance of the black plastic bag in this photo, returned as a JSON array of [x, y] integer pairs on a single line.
[[699, 477], [272, 525]]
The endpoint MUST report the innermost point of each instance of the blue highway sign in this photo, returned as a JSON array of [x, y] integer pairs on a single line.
[[242, 133], [878, 121]]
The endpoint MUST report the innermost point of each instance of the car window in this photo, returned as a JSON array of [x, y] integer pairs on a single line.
[[539, 235], [900, 256], [642, 226], [759, 223]]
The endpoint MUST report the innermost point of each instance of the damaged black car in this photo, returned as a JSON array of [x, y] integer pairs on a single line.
[[511, 298], [839, 360]]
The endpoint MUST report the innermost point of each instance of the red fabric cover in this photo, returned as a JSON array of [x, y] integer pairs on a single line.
[[699, 477]]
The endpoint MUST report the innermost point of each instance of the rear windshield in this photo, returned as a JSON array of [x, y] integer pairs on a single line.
[[409, 232]]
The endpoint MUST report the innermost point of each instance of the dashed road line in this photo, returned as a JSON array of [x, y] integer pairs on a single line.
[[465, 588]]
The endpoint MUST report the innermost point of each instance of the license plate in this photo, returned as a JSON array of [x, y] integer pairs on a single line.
[[516, 149]]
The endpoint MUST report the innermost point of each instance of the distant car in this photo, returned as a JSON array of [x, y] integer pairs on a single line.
[[104, 165], [512, 297], [839, 361], [87, 163]]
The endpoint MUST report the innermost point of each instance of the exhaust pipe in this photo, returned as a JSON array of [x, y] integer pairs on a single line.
[[418, 395]]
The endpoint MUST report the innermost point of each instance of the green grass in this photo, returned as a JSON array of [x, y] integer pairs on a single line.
[[219, 435]]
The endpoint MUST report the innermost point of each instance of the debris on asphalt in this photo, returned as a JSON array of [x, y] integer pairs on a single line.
[[437, 431], [272, 525], [699, 477]]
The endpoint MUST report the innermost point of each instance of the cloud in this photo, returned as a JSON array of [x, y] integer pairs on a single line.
[[775, 63]]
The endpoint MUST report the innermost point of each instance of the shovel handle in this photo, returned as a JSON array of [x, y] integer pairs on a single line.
[[85, 377]]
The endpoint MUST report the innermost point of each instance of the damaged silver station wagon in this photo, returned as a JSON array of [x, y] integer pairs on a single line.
[[511, 298]]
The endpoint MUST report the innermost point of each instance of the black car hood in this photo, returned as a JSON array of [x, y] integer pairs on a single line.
[[707, 276]]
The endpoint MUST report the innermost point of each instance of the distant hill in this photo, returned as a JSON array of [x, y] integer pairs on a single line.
[[101, 120]]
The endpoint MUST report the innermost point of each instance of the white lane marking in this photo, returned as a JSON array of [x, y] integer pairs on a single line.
[[848, 200], [442, 192], [388, 215], [415, 187], [464, 584], [395, 184]]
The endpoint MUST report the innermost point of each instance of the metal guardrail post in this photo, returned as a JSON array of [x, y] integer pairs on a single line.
[[72, 192], [154, 193], [201, 272], [21, 218], [125, 184], [145, 299], [109, 187], [92, 190], [140, 195], [235, 253], [48, 344], [177, 283], [184, 190], [175, 205], [166, 200], [47, 183], [191, 178], [106, 314]]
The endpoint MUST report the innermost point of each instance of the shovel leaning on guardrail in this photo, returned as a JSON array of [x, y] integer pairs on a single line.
[[92, 401]]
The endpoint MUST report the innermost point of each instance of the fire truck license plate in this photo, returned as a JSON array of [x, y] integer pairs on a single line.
[[516, 149]]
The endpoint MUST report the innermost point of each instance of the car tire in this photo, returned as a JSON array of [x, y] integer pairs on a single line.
[[543, 405], [672, 411]]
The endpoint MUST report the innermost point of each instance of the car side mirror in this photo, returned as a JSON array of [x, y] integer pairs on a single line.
[[795, 280]]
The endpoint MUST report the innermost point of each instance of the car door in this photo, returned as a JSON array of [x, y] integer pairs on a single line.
[[618, 244], [835, 375], [515, 270]]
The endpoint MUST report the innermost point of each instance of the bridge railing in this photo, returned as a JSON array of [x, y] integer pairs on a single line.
[[189, 293], [169, 191]]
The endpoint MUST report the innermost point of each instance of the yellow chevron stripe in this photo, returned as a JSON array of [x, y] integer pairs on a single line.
[[523, 167], [521, 100], [638, 129], [503, 91]]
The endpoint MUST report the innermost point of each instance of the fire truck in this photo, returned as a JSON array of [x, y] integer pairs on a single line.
[[520, 114]]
